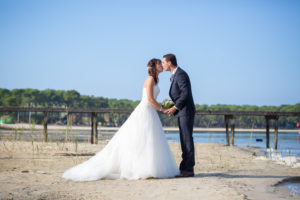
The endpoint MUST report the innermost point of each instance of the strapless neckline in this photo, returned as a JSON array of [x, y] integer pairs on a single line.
[[154, 86], [155, 92]]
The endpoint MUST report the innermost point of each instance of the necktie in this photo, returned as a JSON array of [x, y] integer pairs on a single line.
[[172, 77]]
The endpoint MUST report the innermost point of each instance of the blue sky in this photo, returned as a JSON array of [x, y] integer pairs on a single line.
[[235, 52]]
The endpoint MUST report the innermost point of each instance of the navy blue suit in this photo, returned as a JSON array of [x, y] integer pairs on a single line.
[[181, 94]]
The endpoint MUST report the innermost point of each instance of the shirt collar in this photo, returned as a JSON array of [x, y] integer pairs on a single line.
[[174, 71]]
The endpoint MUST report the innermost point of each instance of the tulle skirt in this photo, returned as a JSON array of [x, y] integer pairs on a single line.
[[138, 150]]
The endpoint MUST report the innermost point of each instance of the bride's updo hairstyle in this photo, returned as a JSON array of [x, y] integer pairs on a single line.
[[152, 68]]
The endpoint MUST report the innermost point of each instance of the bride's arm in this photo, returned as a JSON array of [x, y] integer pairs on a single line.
[[152, 101]]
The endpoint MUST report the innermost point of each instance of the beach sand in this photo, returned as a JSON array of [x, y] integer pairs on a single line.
[[33, 171]]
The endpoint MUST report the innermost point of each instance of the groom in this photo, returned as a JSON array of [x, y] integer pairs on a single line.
[[184, 109]]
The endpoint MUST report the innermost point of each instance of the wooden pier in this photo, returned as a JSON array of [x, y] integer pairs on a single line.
[[229, 116]]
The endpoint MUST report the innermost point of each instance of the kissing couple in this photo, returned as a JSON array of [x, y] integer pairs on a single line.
[[139, 149]]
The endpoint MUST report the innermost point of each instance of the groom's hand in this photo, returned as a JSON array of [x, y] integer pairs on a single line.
[[171, 111]]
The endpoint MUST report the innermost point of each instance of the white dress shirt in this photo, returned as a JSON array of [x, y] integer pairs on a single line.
[[174, 71]]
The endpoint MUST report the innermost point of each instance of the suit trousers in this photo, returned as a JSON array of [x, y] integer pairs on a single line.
[[186, 124]]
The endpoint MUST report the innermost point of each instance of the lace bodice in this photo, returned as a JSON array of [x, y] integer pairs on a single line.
[[155, 93]]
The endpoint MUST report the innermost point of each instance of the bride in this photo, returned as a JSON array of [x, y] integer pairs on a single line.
[[139, 149]]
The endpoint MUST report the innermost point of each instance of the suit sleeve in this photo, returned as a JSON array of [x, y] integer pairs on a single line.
[[183, 83]]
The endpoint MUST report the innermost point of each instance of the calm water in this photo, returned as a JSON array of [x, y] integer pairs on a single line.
[[293, 188], [288, 143]]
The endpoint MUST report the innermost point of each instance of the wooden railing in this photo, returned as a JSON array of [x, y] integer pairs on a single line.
[[228, 117]]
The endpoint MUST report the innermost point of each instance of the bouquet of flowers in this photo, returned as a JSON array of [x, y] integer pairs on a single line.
[[167, 104]]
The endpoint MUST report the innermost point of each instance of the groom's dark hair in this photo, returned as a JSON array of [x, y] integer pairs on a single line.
[[172, 58]]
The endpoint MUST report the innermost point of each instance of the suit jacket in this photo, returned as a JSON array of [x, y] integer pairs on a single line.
[[181, 94]]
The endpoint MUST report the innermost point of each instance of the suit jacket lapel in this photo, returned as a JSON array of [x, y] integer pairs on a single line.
[[173, 79]]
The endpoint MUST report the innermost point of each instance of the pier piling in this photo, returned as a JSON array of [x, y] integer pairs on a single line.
[[45, 123], [94, 134]]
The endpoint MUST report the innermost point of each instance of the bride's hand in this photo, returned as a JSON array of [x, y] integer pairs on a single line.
[[164, 110], [171, 111]]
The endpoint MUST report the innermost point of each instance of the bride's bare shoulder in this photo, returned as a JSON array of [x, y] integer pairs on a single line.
[[149, 81]]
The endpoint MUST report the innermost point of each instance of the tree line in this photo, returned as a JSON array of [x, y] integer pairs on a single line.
[[72, 98]]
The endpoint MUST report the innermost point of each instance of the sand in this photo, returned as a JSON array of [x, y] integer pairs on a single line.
[[33, 171]]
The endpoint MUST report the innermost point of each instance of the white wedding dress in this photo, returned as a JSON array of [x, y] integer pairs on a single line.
[[138, 150]]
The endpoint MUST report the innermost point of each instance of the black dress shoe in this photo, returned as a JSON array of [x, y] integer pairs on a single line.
[[185, 174], [178, 176]]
